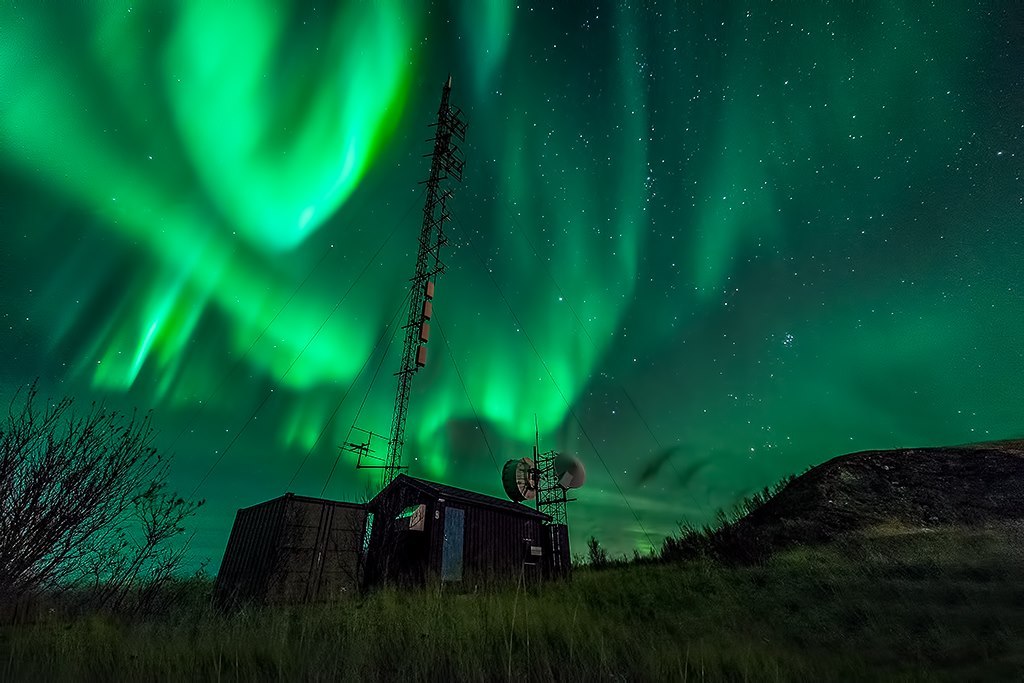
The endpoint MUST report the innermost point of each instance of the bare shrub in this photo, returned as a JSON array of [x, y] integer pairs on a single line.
[[84, 503]]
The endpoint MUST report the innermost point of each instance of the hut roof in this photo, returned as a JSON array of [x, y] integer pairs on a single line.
[[432, 488], [305, 499]]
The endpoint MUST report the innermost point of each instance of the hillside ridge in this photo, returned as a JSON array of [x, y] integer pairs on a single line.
[[919, 488]]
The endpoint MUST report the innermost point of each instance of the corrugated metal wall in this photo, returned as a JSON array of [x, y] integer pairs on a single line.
[[251, 554], [292, 549], [497, 546]]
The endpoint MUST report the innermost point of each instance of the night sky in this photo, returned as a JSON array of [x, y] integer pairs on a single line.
[[736, 242]]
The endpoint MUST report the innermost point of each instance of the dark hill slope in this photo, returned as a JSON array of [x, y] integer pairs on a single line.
[[918, 488]]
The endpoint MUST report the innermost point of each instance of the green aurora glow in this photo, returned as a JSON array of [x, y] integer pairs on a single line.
[[789, 234]]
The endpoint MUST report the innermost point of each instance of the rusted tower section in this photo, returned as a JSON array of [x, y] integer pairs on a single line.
[[446, 165]]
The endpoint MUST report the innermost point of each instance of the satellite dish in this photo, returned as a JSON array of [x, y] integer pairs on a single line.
[[569, 471], [519, 477]]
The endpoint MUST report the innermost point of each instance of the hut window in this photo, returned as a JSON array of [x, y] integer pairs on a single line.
[[413, 517]]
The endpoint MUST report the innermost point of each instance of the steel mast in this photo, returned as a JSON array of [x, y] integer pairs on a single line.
[[446, 165]]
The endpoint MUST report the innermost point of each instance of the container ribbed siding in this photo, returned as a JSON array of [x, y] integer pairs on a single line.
[[251, 553], [498, 547], [292, 549]]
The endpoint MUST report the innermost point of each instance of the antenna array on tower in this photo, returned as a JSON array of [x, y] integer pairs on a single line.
[[446, 164]]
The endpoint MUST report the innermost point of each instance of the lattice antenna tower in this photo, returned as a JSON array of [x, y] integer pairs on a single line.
[[551, 496], [445, 166]]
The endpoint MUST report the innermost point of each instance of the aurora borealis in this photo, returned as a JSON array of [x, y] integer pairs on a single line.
[[790, 232]]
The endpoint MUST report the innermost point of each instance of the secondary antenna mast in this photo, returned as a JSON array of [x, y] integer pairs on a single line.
[[551, 494], [545, 479], [446, 164]]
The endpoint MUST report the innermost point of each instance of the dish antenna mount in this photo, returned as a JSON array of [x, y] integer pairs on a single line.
[[519, 479], [545, 479]]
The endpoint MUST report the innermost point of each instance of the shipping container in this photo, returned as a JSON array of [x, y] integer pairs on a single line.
[[293, 549], [428, 533]]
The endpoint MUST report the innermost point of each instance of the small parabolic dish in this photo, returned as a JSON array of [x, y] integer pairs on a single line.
[[569, 471], [520, 479]]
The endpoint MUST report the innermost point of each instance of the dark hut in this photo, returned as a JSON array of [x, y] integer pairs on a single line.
[[292, 549], [423, 532]]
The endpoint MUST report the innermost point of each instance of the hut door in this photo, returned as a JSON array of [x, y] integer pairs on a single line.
[[451, 553]]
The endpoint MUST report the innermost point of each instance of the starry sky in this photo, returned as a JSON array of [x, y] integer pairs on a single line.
[[703, 245]]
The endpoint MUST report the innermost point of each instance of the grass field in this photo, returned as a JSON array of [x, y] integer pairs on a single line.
[[945, 604]]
